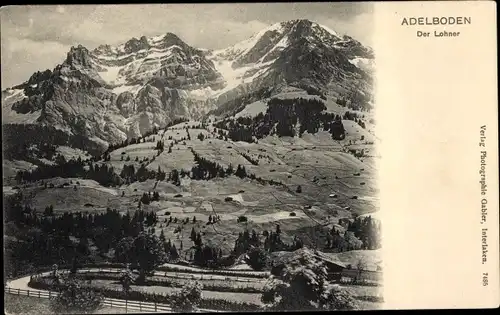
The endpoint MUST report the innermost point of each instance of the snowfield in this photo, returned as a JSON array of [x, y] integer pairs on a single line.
[[363, 63]]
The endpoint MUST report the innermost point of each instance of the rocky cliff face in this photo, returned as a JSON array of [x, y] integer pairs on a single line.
[[112, 93], [297, 53]]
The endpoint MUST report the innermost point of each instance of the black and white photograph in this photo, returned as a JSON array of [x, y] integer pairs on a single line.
[[179, 158]]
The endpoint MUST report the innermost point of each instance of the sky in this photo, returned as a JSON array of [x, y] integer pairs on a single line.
[[35, 38]]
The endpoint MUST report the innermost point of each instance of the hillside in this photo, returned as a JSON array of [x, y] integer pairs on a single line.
[[96, 98], [269, 143]]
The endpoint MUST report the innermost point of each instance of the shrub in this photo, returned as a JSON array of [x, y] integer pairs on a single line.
[[188, 299], [339, 299], [257, 258], [218, 304], [242, 218], [228, 199], [74, 297], [292, 214], [302, 285]]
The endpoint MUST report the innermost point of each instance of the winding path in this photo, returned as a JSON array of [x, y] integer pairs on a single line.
[[20, 286]]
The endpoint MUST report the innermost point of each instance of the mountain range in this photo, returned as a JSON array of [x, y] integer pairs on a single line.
[[112, 93], [267, 144]]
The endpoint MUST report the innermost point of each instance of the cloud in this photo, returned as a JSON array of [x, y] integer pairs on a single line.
[[39, 36], [360, 27], [22, 57]]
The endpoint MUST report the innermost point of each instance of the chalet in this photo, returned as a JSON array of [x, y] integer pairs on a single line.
[[337, 270], [334, 268], [340, 272]]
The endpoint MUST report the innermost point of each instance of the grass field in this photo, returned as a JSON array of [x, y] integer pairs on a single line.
[[253, 298], [321, 167]]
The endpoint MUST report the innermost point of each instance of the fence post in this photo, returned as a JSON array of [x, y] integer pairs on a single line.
[[126, 302], [39, 293], [50, 292], [155, 307], [140, 306], [28, 292], [18, 291]]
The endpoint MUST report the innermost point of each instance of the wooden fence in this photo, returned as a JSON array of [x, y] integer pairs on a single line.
[[166, 274], [133, 306]]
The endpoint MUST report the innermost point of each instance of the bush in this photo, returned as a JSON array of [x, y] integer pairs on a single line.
[[242, 218], [339, 299], [299, 189], [174, 283], [257, 258], [74, 297], [188, 299], [302, 285], [228, 199], [218, 304], [292, 214]]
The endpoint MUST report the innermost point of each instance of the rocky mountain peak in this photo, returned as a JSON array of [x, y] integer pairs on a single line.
[[122, 91], [134, 45], [79, 56]]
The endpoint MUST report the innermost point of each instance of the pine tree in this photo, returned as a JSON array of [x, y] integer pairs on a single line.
[[230, 170], [193, 235]]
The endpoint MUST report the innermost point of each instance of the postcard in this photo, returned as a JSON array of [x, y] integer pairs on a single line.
[[250, 157]]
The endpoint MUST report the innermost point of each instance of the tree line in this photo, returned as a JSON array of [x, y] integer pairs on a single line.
[[281, 118]]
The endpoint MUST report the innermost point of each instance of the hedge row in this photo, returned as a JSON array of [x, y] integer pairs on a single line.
[[215, 304], [174, 283], [214, 272]]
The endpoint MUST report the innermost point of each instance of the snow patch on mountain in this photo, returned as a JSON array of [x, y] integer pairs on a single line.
[[282, 44], [243, 47], [235, 76], [134, 89], [363, 63], [110, 76], [14, 93], [203, 93], [9, 115], [329, 30]]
